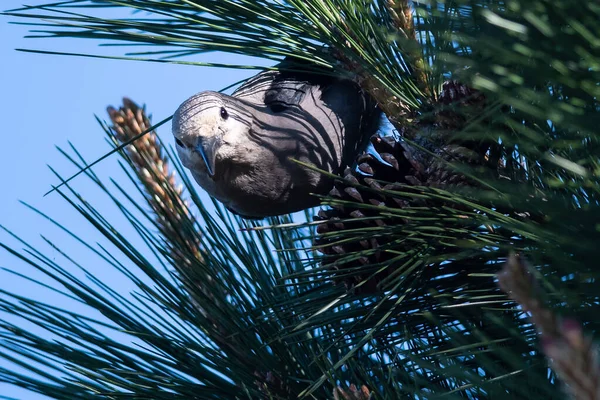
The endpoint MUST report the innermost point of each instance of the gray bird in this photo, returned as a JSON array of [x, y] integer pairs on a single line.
[[238, 147]]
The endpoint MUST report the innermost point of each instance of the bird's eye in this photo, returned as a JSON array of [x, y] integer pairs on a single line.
[[179, 142], [224, 113]]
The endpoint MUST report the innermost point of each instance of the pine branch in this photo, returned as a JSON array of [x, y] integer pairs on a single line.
[[352, 393], [175, 221], [152, 168], [573, 356], [403, 19]]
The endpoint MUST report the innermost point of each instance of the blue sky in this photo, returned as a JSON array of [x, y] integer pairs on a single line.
[[50, 100]]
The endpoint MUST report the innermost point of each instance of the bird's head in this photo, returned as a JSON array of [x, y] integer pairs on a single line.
[[207, 127]]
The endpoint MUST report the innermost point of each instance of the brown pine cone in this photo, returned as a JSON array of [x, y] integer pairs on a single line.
[[395, 164]]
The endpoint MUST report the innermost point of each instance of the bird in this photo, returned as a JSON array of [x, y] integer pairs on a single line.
[[240, 148]]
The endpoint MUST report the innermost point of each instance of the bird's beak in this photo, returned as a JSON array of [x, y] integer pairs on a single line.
[[207, 148]]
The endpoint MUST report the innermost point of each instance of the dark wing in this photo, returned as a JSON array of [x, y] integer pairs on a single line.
[[285, 87], [255, 88], [358, 113]]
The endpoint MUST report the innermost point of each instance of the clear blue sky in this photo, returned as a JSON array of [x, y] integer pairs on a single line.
[[50, 100]]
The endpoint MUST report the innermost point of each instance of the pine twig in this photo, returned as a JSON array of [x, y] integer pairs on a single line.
[[573, 356], [402, 17], [398, 112], [152, 168], [352, 393]]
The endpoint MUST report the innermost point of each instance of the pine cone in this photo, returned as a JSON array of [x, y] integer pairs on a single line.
[[401, 165], [387, 165]]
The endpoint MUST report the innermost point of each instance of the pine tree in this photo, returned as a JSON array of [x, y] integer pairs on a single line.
[[457, 259]]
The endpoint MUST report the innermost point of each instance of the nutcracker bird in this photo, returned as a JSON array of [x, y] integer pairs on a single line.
[[239, 148]]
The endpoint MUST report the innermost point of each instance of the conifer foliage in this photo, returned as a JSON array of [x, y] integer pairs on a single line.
[[489, 165]]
